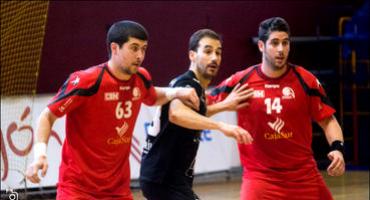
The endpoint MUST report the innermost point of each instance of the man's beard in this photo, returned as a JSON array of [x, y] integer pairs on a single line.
[[206, 75], [272, 62], [129, 70]]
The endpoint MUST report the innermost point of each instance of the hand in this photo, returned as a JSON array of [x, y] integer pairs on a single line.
[[188, 96], [32, 170], [337, 165], [238, 97], [241, 135]]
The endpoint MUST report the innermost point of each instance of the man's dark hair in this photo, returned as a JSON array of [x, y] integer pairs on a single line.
[[197, 36], [120, 32], [270, 25]]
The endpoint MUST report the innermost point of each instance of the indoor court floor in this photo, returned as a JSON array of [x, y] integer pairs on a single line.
[[354, 185]]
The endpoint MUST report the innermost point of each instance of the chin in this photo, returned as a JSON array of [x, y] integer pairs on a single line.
[[209, 76], [212, 72], [280, 66], [133, 70], [130, 71]]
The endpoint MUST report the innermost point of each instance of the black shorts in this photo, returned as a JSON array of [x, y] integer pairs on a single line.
[[156, 191]]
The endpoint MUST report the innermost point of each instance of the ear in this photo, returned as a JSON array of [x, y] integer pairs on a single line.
[[192, 55], [114, 47], [261, 45]]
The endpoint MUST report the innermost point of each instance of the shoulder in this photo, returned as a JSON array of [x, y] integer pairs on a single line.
[[306, 75], [241, 76], [145, 77], [247, 70], [87, 77], [303, 72], [144, 73], [185, 80]]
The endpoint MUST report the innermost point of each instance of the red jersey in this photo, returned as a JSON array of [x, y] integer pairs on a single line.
[[279, 119], [101, 114]]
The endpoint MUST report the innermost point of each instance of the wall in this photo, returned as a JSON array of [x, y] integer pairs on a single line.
[[76, 32]]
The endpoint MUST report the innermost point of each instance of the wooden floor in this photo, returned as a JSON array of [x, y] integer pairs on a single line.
[[354, 185]]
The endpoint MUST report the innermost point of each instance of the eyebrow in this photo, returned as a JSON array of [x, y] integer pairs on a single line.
[[136, 44], [279, 39], [209, 46]]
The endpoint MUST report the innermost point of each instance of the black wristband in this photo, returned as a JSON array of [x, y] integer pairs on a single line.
[[337, 145]]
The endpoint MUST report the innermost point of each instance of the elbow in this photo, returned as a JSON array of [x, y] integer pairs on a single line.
[[173, 116]]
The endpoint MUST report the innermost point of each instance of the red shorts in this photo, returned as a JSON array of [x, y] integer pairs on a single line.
[[256, 189], [68, 193]]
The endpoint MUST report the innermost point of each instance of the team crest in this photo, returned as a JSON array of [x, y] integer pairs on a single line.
[[288, 93], [75, 81], [136, 93]]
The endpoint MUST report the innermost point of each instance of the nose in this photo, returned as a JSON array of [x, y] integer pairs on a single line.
[[214, 57], [140, 54], [280, 47]]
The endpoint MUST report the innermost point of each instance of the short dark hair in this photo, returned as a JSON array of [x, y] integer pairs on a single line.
[[272, 24], [120, 32], [198, 35]]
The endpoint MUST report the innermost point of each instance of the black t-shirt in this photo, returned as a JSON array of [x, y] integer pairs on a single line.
[[169, 155]]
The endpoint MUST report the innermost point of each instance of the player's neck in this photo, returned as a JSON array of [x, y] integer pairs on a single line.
[[272, 71], [115, 70], [203, 81]]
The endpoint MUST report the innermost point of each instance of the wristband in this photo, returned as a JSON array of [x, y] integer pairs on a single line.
[[170, 93], [337, 145], [39, 150]]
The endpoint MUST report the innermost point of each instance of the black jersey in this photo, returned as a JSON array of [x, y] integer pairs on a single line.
[[169, 155]]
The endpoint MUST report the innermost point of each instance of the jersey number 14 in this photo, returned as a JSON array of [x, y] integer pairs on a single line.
[[273, 105]]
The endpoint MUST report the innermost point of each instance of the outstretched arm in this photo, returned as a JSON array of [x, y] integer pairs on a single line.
[[235, 100], [45, 124], [184, 116], [334, 136], [187, 95]]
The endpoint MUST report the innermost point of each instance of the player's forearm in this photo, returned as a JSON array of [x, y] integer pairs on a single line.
[[161, 96], [44, 126], [331, 129], [165, 94], [216, 108], [184, 116], [238, 98], [45, 123]]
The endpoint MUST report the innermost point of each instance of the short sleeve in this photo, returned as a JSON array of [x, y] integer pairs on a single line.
[[66, 99], [189, 84], [150, 94], [320, 105]]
